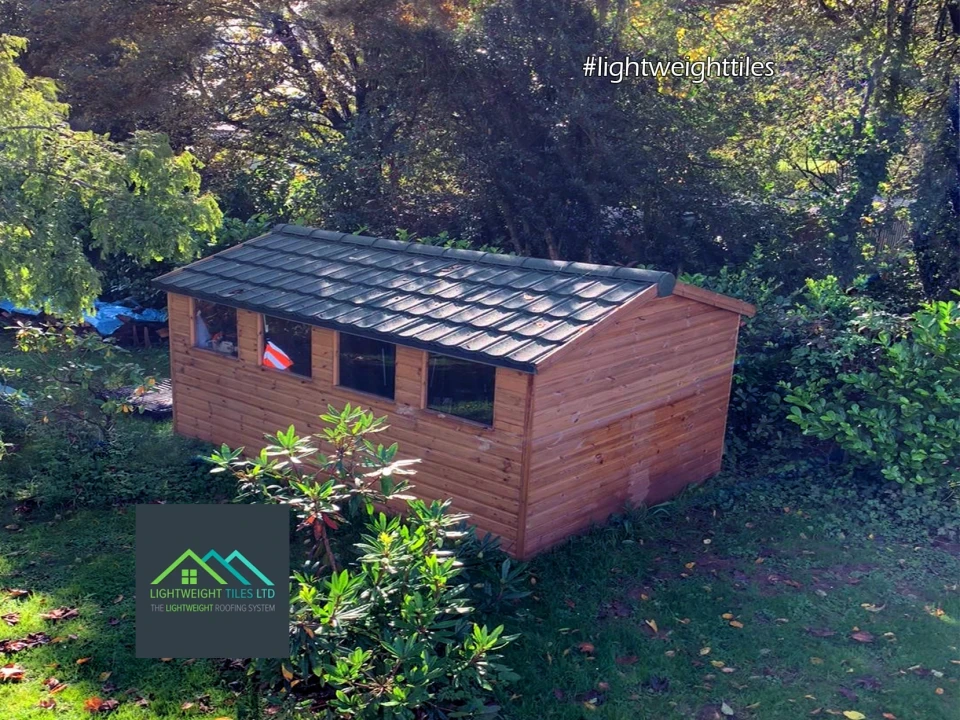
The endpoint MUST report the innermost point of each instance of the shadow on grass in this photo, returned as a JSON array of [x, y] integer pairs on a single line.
[[677, 615], [87, 562]]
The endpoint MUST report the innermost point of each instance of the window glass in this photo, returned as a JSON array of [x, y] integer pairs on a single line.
[[216, 327], [286, 345], [461, 388], [367, 365]]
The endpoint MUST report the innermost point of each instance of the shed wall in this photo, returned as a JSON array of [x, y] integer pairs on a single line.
[[630, 416], [236, 401]]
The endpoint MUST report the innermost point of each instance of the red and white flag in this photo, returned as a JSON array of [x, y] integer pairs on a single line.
[[274, 357]]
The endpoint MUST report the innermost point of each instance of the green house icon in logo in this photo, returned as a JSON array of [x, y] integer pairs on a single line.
[[190, 575]]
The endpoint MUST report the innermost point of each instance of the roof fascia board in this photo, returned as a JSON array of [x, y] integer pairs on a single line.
[[708, 297]]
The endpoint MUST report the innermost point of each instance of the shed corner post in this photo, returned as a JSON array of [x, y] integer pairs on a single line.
[[525, 457], [180, 325]]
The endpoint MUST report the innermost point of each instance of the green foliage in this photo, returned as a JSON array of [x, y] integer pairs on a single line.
[[899, 416], [813, 336], [67, 195], [382, 617], [80, 380], [843, 503]]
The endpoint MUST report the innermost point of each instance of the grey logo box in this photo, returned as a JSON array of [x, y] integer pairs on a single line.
[[212, 581]]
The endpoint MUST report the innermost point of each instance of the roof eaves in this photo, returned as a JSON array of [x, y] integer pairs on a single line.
[[475, 356]]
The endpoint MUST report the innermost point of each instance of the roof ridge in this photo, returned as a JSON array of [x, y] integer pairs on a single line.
[[418, 273], [664, 281]]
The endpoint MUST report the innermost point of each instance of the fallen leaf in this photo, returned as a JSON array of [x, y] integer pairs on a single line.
[[26, 643], [684, 621], [11, 618], [118, 599], [862, 636], [586, 648], [854, 715], [870, 607], [96, 705], [717, 663], [889, 716], [186, 706], [726, 709], [83, 660], [626, 659], [820, 632], [53, 685], [653, 625], [47, 703], [736, 624], [690, 565], [17, 592], [11, 673], [816, 661], [727, 616], [939, 691], [705, 651], [104, 676], [287, 673], [727, 670], [63, 613]]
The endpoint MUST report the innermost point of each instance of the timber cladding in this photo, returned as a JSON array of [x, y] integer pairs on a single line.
[[610, 385], [236, 401]]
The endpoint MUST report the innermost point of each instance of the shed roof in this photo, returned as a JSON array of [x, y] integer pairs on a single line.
[[492, 308]]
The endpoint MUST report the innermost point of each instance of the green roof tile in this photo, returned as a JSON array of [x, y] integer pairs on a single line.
[[500, 309]]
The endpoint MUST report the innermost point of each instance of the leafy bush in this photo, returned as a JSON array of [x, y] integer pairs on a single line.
[[80, 380], [382, 618], [899, 416], [813, 335]]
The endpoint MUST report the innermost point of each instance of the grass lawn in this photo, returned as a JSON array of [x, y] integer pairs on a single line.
[[688, 611], [701, 614], [633, 621], [87, 562]]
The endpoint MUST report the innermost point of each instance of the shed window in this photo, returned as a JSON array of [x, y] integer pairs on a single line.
[[286, 345], [461, 388], [367, 365], [215, 327]]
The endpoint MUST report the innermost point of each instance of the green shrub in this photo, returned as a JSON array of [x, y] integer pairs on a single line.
[[899, 415], [813, 335], [383, 617], [79, 379]]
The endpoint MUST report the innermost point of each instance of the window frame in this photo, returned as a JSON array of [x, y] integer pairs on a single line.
[[425, 394], [193, 330], [337, 374], [262, 344]]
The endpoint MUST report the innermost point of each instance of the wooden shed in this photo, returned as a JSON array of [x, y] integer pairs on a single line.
[[541, 395]]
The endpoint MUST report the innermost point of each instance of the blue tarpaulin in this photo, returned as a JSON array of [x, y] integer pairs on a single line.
[[105, 318]]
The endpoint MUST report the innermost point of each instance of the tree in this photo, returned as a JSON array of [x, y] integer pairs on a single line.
[[68, 198]]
